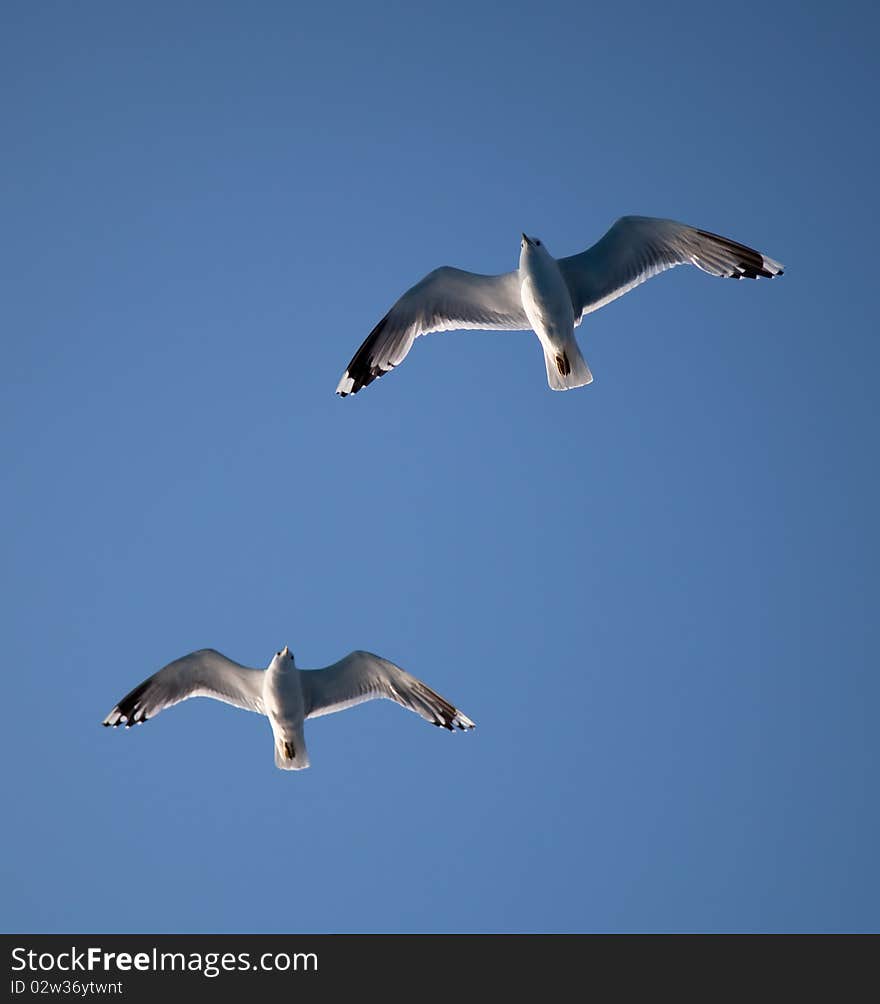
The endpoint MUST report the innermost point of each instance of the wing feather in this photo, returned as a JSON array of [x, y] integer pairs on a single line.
[[205, 673], [639, 247], [445, 300], [362, 676]]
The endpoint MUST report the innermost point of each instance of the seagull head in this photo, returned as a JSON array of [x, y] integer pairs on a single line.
[[530, 246], [283, 657]]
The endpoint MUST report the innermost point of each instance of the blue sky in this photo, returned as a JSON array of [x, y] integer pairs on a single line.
[[656, 596]]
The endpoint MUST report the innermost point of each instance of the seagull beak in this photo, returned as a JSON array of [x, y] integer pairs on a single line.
[[285, 651], [526, 239]]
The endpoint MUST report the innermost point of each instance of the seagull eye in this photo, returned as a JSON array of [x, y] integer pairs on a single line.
[[537, 244]]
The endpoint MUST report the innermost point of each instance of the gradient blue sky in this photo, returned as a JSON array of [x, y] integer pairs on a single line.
[[656, 596]]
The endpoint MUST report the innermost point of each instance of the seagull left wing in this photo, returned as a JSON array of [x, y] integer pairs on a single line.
[[205, 673], [639, 247], [446, 299], [363, 676]]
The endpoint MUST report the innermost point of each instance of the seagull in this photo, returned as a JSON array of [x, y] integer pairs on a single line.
[[286, 695], [549, 295]]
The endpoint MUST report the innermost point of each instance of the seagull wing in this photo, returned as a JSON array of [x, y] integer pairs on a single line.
[[361, 677], [444, 300], [200, 674], [639, 247]]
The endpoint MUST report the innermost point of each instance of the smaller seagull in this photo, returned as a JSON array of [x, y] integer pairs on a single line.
[[549, 295], [285, 694]]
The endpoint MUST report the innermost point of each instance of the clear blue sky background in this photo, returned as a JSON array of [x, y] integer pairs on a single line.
[[656, 596]]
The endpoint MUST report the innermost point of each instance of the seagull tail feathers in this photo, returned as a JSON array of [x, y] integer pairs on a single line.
[[290, 755], [566, 368]]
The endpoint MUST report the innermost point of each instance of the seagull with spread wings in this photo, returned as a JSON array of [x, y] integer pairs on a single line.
[[549, 295], [286, 694]]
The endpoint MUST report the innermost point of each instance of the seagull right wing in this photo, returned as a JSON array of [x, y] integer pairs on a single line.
[[205, 673], [363, 676], [446, 299], [639, 247]]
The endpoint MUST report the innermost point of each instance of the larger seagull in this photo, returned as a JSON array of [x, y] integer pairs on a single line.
[[549, 295], [284, 693]]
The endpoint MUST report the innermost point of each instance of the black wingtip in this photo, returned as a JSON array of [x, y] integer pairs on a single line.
[[363, 370], [751, 263], [128, 706], [363, 376]]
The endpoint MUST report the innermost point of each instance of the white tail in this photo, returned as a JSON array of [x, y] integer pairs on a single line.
[[566, 368], [291, 754]]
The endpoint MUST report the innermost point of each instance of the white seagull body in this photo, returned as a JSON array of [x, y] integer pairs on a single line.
[[285, 694], [549, 295]]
